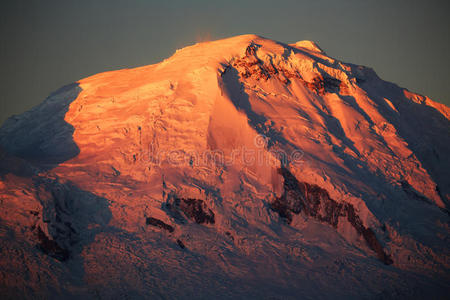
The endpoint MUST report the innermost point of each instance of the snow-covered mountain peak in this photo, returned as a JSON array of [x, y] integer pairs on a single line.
[[310, 45], [243, 162]]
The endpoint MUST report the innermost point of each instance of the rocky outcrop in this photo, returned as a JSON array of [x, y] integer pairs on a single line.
[[311, 199], [181, 244], [367, 233], [250, 66], [57, 209], [158, 223], [322, 84], [194, 209], [315, 202], [51, 247]]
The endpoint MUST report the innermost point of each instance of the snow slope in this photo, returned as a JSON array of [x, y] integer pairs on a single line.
[[238, 168]]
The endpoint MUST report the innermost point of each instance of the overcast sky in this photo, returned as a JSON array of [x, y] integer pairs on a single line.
[[47, 44]]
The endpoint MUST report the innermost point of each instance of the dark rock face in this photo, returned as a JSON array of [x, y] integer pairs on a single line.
[[59, 206], [322, 85], [315, 202], [181, 244], [368, 234], [159, 223], [197, 210], [57, 203], [311, 199], [194, 209], [50, 247]]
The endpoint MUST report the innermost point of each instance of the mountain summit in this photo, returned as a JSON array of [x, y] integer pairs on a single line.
[[242, 167]]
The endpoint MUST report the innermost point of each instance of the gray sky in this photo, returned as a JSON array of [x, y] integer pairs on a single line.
[[47, 44]]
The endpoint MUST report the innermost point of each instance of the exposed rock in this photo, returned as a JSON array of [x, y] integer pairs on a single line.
[[368, 234], [159, 223], [250, 66], [322, 85], [301, 196], [181, 244], [58, 201], [67, 212], [115, 171], [50, 247], [194, 209], [228, 234], [315, 201]]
